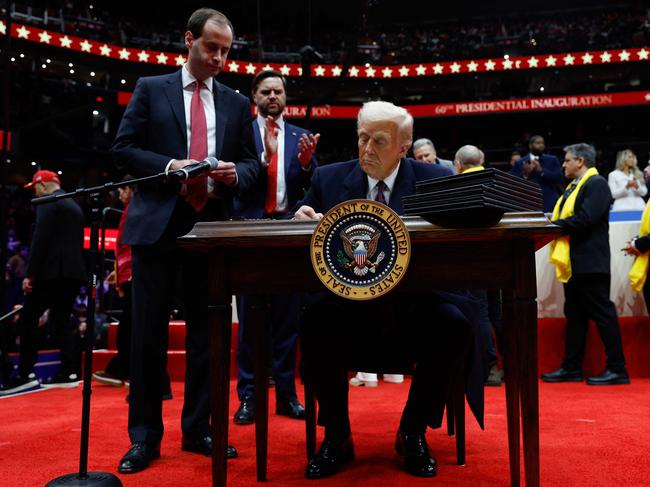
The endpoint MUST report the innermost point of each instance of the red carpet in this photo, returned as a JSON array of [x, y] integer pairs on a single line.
[[589, 437]]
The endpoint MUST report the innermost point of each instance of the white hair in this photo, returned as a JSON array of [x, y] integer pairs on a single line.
[[470, 156], [375, 111]]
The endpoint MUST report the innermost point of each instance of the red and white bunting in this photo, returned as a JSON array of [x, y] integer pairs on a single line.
[[464, 66]]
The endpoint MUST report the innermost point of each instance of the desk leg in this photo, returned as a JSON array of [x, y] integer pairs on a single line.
[[258, 313], [220, 322], [511, 371], [527, 311]]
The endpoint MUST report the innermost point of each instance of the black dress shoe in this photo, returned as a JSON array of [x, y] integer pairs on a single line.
[[417, 459], [562, 375], [331, 457], [291, 408], [246, 412], [204, 446], [138, 457], [608, 377]]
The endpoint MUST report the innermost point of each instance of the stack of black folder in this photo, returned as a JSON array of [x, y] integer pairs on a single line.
[[474, 199]]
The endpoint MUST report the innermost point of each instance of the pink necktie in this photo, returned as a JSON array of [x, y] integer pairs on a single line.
[[197, 189]]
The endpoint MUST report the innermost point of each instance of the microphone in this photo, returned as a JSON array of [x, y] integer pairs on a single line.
[[192, 170]]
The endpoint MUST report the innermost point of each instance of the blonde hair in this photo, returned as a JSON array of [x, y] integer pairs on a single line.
[[620, 164], [375, 111]]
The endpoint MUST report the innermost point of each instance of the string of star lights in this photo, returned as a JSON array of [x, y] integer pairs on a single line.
[[505, 63]]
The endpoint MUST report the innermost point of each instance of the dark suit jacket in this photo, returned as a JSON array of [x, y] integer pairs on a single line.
[[588, 228], [153, 131], [57, 244], [335, 183], [548, 180], [251, 203]]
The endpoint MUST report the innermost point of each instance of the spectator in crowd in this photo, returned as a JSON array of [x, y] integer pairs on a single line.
[[425, 151], [582, 263], [543, 169], [332, 327], [639, 247], [627, 183], [54, 273], [172, 121], [514, 157], [287, 155]]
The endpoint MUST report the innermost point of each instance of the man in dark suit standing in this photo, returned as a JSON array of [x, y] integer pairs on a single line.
[[55, 271], [388, 333], [172, 121], [543, 169], [582, 260], [287, 155]]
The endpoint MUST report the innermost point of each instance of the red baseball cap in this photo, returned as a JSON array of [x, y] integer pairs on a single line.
[[44, 176]]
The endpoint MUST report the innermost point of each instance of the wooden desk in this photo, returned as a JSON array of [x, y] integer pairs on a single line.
[[265, 257]]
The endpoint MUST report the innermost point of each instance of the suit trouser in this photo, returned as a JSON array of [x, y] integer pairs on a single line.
[[282, 320], [587, 298], [390, 336], [58, 295]]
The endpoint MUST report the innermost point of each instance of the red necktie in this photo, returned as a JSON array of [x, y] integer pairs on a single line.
[[197, 189], [271, 180], [379, 197]]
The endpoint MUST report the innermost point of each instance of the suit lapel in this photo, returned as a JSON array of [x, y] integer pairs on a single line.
[[290, 147], [221, 106], [355, 185], [404, 185], [174, 92]]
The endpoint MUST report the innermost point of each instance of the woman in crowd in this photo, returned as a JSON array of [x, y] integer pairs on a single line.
[[627, 183]]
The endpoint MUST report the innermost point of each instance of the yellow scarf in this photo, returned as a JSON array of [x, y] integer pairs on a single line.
[[639, 270], [473, 169], [560, 248]]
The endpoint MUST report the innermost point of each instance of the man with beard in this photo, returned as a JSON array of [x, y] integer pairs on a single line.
[[543, 169], [287, 156]]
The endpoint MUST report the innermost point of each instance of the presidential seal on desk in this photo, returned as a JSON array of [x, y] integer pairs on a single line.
[[360, 249]]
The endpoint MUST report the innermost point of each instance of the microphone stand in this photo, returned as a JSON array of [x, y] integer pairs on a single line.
[[83, 477]]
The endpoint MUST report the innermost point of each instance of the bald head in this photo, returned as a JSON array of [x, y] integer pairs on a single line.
[[468, 156]]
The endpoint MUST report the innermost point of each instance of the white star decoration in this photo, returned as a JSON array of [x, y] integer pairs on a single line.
[[250, 68], [587, 58], [124, 53], [23, 33], [105, 50], [568, 59], [370, 72], [489, 65], [533, 62], [404, 71], [267, 68], [420, 70], [336, 71], [162, 58], [45, 37], [624, 55], [143, 57], [3, 28], [354, 72], [643, 54], [437, 69], [455, 68], [647, 97], [605, 57], [85, 46], [550, 61], [507, 64], [472, 66], [180, 60], [387, 72], [319, 70], [285, 70], [65, 41]]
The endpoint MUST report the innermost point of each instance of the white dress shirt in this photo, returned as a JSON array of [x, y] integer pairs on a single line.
[[389, 182]]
